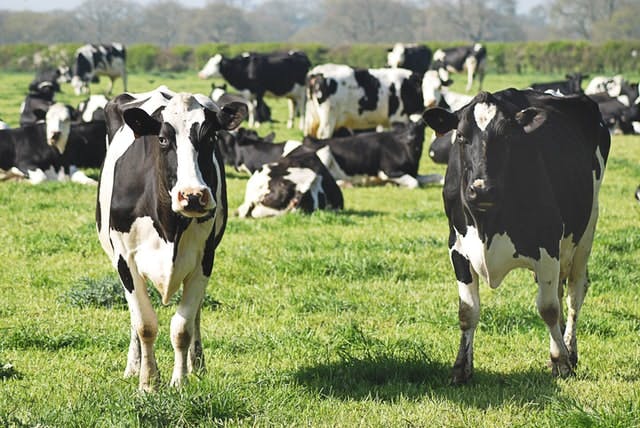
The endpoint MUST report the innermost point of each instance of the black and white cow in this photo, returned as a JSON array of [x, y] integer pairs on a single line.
[[161, 213], [521, 190], [279, 74], [416, 58], [458, 59], [619, 117], [298, 182], [246, 151], [572, 85], [36, 152], [92, 108], [40, 97], [258, 109], [92, 61], [86, 145], [389, 157], [354, 98], [638, 194]]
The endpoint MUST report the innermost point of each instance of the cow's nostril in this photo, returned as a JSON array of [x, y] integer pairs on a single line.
[[472, 193]]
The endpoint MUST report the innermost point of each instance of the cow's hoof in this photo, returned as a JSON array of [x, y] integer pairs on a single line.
[[562, 369], [461, 375]]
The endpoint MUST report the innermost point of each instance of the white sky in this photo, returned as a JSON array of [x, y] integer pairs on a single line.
[[46, 5]]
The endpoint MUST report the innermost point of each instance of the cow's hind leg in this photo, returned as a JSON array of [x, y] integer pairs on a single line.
[[547, 276], [183, 325], [468, 316]]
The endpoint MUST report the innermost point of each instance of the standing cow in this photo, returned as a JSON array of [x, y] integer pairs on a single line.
[[92, 61], [461, 58], [521, 190], [356, 98], [161, 213], [416, 58], [278, 74]]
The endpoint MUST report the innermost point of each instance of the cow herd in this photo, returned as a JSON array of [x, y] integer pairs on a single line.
[[520, 191]]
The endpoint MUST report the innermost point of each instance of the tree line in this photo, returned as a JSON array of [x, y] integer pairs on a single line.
[[167, 23]]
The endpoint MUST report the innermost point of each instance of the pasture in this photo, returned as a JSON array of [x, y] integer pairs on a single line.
[[332, 319]]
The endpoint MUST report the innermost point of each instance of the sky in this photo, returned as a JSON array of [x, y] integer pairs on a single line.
[[47, 5]]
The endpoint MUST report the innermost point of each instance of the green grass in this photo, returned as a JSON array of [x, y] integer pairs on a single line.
[[333, 319]]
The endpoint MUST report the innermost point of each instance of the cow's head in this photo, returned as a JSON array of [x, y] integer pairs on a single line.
[[485, 133], [432, 83], [211, 68], [58, 124], [79, 85], [395, 56], [185, 135]]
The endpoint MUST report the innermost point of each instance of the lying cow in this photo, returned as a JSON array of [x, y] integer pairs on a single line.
[[92, 61], [278, 74], [161, 213], [572, 85], [416, 58], [298, 182], [521, 190], [458, 59], [92, 108], [36, 152], [342, 96], [390, 156], [37, 102]]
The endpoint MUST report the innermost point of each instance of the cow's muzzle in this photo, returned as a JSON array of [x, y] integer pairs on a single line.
[[195, 202], [480, 195]]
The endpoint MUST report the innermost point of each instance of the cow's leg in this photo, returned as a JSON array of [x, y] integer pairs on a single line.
[[196, 356], [124, 80], [144, 322], [183, 324], [110, 88], [327, 126], [470, 64], [468, 315], [133, 356], [547, 276]]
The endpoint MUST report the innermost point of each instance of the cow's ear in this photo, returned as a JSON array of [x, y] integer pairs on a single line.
[[231, 115], [531, 118], [440, 120], [140, 122]]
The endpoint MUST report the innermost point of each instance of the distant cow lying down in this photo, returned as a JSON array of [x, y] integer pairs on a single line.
[[296, 182]]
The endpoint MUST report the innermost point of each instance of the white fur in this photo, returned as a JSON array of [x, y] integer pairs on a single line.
[[484, 114]]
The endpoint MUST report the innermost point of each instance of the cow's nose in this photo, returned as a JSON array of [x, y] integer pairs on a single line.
[[56, 136], [194, 200]]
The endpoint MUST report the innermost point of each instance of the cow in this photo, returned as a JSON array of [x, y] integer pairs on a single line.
[[86, 145], [298, 182], [161, 213], [461, 58], [92, 108], [638, 194], [572, 85], [618, 116], [279, 74], [356, 98], [258, 109], [38, 100], [521, 191], [248, 152], [610, 85], [36, 152], [416, 58], [92, 61], [441, 146], [390, 157]]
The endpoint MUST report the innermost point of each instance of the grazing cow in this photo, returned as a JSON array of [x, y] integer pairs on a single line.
[[521, 190], [36, 152], [161, 213], [390, 156], [416, 58], [341, 96], [297, 182], [275, 74], [573, 85], [258, 109], [456, 60], [618, 116], [92, 61], [246, 151], [92, 109]]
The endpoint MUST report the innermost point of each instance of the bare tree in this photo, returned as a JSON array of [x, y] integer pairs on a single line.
[[577, 18], [161, 22]]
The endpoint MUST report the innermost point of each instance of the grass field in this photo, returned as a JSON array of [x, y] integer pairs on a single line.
[[333, 319]]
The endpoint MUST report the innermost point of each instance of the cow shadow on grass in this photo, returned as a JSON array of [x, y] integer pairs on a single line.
[[389, 379]]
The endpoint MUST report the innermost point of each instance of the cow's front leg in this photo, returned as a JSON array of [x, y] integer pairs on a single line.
[[468, 315], [292, 112], [133, 356], [547, 276], [196, 356], [183, 324]]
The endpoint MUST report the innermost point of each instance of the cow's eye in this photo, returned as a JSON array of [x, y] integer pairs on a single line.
[[164, 143], [461, 139]]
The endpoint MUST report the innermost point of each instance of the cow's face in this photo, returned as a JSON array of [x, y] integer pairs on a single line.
[[432, 83], [58, 125], [185, 132], [211, 68], [485, 133], [395, 56]]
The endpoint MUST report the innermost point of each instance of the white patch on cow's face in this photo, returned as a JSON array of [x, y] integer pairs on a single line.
[[439, 55], [216, 93], [181, 113], [58, 123], [79, 87], [94, 103], [477, 47], [211, 68], [396, 55], [484, 114], [431, 88]]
